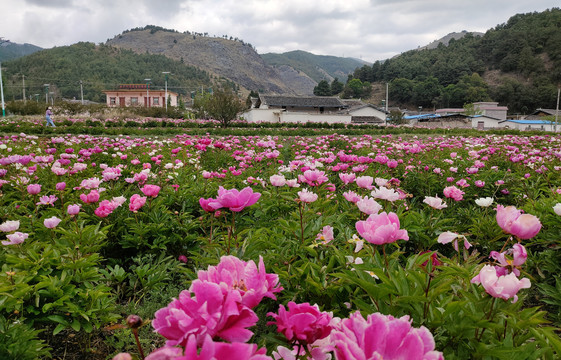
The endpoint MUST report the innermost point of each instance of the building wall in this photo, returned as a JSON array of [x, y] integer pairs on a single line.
[[368, 111], [126, 98], [499, 113], [276, 115], [544, 127], [487, 123]]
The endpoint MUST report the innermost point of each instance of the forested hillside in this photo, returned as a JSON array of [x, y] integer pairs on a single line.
[[517, 64], [99, 67], [10, 50]]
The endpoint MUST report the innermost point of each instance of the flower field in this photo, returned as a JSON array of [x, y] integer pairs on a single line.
[[269, 247]]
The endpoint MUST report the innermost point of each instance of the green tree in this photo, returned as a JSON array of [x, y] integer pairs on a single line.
[[322, 89], [223, 105], [336, 86]]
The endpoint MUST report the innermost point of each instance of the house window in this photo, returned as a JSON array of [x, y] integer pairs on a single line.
[[112, 101], [134, 101], [156, 101]]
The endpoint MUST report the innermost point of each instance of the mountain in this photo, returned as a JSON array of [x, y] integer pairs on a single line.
[[517, 64], [10, 50], [303, 70], [98, 68], [446, 39], [234, 60]]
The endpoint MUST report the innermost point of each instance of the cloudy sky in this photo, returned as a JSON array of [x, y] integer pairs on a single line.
[[367, 29]]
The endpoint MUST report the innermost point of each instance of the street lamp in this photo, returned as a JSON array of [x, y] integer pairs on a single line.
[[147, 93], [46, 93], [166, 99]]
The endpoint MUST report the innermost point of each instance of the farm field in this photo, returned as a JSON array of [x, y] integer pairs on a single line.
[[342, 246]]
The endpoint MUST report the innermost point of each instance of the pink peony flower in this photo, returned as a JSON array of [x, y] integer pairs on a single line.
[[90, 198], [448, 236], [512, 221], [15, 238], [347, 178], [150, 190], [182, 258], [364, 182], [453, 193], [206, 309], [381, 229], [9, 226], [60, 186], [351, 196], [249, 279], [503, 286], [307, 196], [302, 322], [313, 177], [51, 222], [105, 208], [73, 209], [234, 200], [435, 202], [136, 202], [277, 180], [47, 200], [34, 189], [326, 235], [123, 356], [369, 206], [385, 194], [382, 337]]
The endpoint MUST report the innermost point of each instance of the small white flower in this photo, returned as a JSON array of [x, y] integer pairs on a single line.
[[557, 209]]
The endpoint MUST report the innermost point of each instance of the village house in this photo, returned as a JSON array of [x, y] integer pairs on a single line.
[[317, 109], [139, 95]]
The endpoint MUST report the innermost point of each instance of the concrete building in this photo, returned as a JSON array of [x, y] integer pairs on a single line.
[[318, 109], [139, 95]]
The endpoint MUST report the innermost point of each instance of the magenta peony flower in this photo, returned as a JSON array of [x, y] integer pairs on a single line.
[[500, 286], [9, 226], [210, 350], [205, 204], [15, 238], [249, 279], [105, 208], [453, 193], [234, 200], [512, 221], [73, 209], [60, 186], [150, 190], [381, 229], [307, 196], [51, 222], [206, 309], [90, 198], [34, 189], [382, 337], [136, 202], [302, 322]]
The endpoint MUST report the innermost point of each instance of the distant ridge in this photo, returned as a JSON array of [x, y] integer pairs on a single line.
[[10, 50]]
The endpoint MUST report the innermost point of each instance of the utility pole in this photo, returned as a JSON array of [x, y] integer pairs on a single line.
[[24, 99], [557, 108], [82, 92], [387, 95], [46, 93], [147, 92], [166, 73], [2, 91]]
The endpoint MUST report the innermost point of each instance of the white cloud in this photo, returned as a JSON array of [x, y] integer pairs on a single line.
[[371, 29]]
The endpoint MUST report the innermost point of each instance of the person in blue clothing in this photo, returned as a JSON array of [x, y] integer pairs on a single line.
[[48, 115]]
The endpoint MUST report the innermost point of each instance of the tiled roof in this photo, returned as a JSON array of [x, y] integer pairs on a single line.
[[302, 101]]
